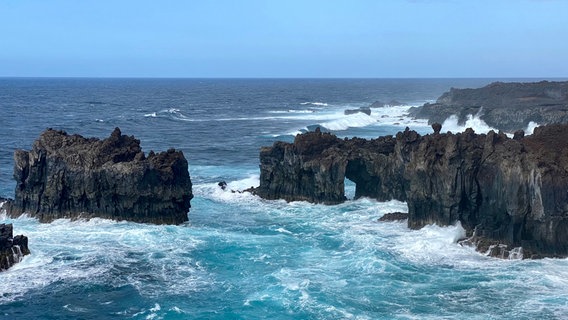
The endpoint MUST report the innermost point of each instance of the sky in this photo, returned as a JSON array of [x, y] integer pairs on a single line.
[[284, 38]]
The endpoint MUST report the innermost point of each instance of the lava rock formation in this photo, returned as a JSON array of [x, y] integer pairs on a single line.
[[505, 106], [69, 176], [508, 192]]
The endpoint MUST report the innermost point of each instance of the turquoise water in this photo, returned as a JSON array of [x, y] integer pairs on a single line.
[[241, 257]]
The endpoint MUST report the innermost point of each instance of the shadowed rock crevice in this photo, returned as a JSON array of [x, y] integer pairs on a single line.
[[69, 176], [512, 191]]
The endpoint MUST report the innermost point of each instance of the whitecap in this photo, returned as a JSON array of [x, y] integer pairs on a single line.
[[321, 104], [282, 230], [356, 120], [292, 111], [172, 113]]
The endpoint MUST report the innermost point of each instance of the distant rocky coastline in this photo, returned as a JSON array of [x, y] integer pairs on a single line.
[[69, 176], [12, 249], [508, 193], [505, 106]]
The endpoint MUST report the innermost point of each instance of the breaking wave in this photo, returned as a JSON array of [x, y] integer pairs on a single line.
[[478, 125], [171, 113], [320, 104]]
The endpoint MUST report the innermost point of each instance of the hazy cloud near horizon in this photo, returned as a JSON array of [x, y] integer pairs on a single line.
[[412, 38]]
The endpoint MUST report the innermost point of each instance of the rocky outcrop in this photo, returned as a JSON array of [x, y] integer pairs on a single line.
[[315, 166], [394, 216], [509, 191], [380, 104], [365, 110], [69, 176], [12, 249], [505, 106]]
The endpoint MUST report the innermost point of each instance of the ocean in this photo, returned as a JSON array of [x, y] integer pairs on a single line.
[[241, 257]]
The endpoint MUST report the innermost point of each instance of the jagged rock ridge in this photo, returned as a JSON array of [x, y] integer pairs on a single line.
[[12, 249], [69, 176], [505, 106], [504, 191]]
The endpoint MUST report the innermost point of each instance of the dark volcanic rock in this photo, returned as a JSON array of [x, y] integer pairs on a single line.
[[314, 167], [68, 176], [505, 106], [394, 216], [511, 191], [365, 110], [436, 127], [12, 249], [379, 104]]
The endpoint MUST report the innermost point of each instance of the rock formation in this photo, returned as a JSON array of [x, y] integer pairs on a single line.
[[505, 106], [380, 104], [12, 249], [504, 191], [365, 110], [68, 176], [394, 216]]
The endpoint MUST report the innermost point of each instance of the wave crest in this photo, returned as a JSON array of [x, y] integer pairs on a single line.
[[320, 104]]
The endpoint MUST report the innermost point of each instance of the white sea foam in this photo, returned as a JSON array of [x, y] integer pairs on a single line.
[[282, 230], [530, 128], [292, 111], [233, 193], [473, 121], [478, 125], [91, 252], [435, 245], [322, 104], [172, 113], [335, 119], [356, 120]]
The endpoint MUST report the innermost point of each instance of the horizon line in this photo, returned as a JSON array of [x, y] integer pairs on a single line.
[[274, 78]]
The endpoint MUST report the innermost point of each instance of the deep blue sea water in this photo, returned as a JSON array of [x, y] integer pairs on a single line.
[[240, 257]]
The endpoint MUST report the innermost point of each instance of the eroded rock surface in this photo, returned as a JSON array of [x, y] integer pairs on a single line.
[[505, 106], [12, 249], [510, 191], [69, 176]]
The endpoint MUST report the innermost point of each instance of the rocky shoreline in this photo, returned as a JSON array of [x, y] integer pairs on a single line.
[[507, 192], [505, 106], [69, 176]]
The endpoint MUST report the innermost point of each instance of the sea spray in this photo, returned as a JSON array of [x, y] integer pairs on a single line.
[[240, 256]]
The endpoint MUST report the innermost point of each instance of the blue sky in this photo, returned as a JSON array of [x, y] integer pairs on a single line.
[[379, 39]]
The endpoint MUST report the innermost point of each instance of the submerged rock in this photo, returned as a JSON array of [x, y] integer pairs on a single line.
[[69, 176], [505, 106], [12, 249], [365, 110], [511, 191]]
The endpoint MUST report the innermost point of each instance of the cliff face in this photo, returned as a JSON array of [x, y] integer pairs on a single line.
[[68, 176], [505, 106], [12, 249], [505, 191]]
